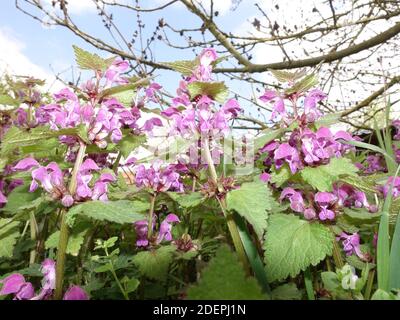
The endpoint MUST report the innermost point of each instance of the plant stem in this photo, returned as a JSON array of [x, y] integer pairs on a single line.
[[151, 213], [370, 283], [64, 229], [337, 256], [116, 163], [112, 269], [308, 284], [34, 232], [237, 242]]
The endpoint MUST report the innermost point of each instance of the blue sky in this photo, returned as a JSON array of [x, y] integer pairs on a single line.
[[34, 49]]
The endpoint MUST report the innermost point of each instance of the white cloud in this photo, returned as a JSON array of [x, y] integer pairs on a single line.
[[14, 61]]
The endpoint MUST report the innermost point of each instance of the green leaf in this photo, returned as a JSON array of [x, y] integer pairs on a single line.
[[322, 177], [383, 295], [304, 84], [281, 176], [328, 120], [154, 264], [20, 199], [330, 281], [394, 281], [293, 244], [8, 237], [121, 211], [266, 136], [91, 61], [287, 291], [361, 215], [124, 88], [225, 279], [8, 101], [185, 67], [286, 76], [252, 201], [187, 200], [129, 143], [216, 90], [75, 241], [16, 137]]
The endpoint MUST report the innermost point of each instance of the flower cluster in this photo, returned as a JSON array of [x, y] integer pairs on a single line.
[[51, 179], [310, 101], [325, 205], [164, 234], [22, 290], [158, 177], [351, 245], [306, 148]]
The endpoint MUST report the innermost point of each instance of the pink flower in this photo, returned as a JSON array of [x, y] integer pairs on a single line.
[[279, 104], [16, 284], [166, 228], [295, 198], [113, 73], [325, 200], [351, 244], [286, 153], [75, 293]]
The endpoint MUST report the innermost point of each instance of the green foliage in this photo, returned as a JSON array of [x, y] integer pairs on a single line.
[[293, 244], [286, 76], [287, 291], [303, 85], [187, 200], [91, 61], [9, 233], [121, 211], [154, 264], [252, 201], [184, 67], [225, 279], [322, 177], [216, 90], [75, 241]]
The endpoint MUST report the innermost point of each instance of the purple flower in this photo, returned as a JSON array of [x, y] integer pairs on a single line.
[[75, 293], [16, 284], [295, 198], [3, 198], [265, 177], [310, 214], [151, 123], [48, 269], [166, 228], [26, 164], [151, 91], [325, 200], [310, 104], [100, 187], [113, 73], [158, 177], [232, 107], [396, 124], [141, 228], [208, 56], [351, 244], [279, 104], [349, 197], [395, 189], [286, 153]]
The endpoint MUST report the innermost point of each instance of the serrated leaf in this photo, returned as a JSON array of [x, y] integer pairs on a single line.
[[16, 137], [154, 264], [252, 201], [75, 241], [361, 215], [216, 90], [188, 200], [267, 136], [8, 101], [293, 244], [322, 177], [281, 176], [225, 279], [185, 67], [287, 291], [121, 211], [8, 237], [286, 76], [91, 61], [124, 87], [21, 199], [304, 84], [129, 143], [327, 120]]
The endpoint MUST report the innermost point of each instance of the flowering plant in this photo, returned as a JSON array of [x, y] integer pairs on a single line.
[[318, 204]]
